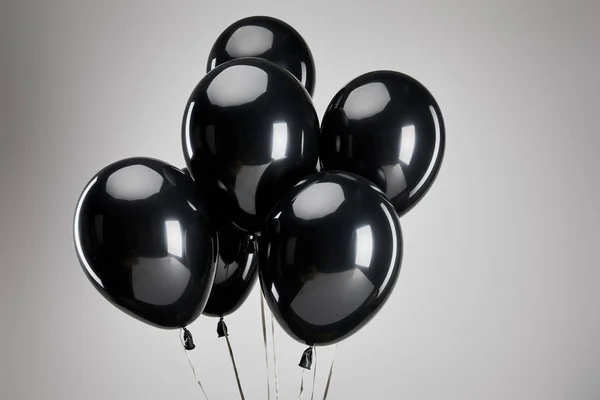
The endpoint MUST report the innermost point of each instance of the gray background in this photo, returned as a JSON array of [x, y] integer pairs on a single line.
[[498, 296]]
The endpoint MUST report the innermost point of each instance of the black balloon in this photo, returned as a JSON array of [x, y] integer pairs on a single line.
[[236, 272], [388, 128], [268, 38], [329, 257], [250, 132], [144, 239]]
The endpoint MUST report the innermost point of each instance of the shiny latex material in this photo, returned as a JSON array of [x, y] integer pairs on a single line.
[[388, 128], [268, 38], [236, 272], [144, 239], [329, 257], [249, 133]]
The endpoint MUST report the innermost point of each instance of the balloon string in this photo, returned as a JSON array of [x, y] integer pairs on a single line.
[[237, 376], [330, 374], [301, 385], [192, 366], [312, 394], [264, 329], [274, 357]]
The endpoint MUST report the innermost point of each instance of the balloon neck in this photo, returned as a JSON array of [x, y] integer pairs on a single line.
[[307, 357], [188, 340], [222, 328]]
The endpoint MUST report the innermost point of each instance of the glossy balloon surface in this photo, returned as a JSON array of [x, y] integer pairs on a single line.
[[144, 239], [268, 38], [236, 272], [388, 128], [329, 257], [250, 132]]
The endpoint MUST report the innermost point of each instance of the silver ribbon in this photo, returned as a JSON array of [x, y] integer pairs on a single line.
[[237, 376], [330, 374], [192, 365], [312, 395], [301, 385], [264, 329], [274, 357]]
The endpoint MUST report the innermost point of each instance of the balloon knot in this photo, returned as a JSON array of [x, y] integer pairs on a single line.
[[222, 328], [249, 246], [188, 340], [306, 360]]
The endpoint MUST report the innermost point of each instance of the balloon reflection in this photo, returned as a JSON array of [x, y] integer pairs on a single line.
[[249, 41], [77, 238], [237, 85], [396, 245], [318, 201], [303, 73], [407, 143], [159, 281], [280, 136], [436, 157], [133, 183], [327, 290], [187, 135], [248, 265], [364, 246], [174, 240], [246, 185], [367, 100]]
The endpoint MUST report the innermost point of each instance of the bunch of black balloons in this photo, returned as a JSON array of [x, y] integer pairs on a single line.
[[310, 208]]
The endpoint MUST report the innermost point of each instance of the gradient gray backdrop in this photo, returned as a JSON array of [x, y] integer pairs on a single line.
[[498, 296]]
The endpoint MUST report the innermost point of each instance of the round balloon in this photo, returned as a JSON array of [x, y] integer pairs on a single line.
[[329, 257], [268, 38], [236, 272], [144, 239], [388, 128], [250, 132]]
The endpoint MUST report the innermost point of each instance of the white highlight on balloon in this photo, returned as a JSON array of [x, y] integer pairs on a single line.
[[364, 246], [274, 292], [394, 246], [318, 201], [174, 239], [237, 85], [247, 267], [192, 206], [249, 41], [303, 73], [407, 143], [188, 140], [78, 247], [436, 150], [279, 143], [367, 100], [135, 182]]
